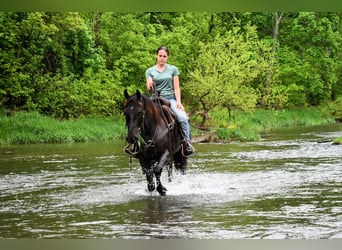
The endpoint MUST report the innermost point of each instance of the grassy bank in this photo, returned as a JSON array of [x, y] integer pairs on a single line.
[[28, 128], [245, 126], [338, 140]]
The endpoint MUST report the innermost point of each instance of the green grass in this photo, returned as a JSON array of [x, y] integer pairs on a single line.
[[247, 126], [28, 128], [338, 140]]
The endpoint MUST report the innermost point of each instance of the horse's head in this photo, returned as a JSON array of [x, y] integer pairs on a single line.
[[135, 114]]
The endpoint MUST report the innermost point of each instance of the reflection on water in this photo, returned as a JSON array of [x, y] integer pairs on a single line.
[[288, 185]]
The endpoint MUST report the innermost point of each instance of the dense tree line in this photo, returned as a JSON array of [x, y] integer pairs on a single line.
[[68, 65]]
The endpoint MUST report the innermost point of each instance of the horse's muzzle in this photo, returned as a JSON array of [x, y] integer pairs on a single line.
[[133, 135], [132, 139], [132, 149]]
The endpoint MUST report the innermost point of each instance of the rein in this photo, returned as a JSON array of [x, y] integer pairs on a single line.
[[169, 126]]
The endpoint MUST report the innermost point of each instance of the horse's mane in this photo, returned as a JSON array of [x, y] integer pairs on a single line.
[[149, 106]]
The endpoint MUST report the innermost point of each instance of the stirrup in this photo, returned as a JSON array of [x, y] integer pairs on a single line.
[[184, 147]]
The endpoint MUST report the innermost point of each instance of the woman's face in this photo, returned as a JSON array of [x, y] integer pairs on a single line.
[[162, 57]]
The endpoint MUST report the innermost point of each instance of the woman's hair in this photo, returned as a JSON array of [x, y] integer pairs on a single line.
[[163, 48]]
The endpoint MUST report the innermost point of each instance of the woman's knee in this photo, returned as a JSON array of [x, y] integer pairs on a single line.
[[181, 116], [182, 119]]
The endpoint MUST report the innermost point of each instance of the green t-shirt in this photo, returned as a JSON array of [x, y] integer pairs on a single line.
[[163, 79]]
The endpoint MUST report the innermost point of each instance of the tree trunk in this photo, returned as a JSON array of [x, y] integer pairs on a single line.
[[277, 18], [269, 77]]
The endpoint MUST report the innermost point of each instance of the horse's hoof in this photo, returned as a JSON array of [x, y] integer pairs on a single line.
[[151, 187], [161, 190]]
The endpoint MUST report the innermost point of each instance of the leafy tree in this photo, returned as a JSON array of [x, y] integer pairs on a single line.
[[34, 44], [310, 53], [73, 64], [127, 39], [69, 97], [21, 53], [224, 70]]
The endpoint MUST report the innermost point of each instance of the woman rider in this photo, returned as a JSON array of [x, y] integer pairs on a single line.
[[166, 79]]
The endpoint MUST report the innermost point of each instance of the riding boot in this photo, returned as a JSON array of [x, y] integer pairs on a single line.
[[188, 149]]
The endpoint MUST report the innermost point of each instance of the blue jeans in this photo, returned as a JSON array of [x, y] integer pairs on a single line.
[[182, 118]]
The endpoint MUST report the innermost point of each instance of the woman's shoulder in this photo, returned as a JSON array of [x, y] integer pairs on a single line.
[[151, 68], [173, 68]]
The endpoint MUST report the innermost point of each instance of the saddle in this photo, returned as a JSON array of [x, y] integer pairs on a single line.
[[162, 101], [169, 118]]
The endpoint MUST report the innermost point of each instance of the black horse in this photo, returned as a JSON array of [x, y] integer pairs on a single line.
[[154, 137]]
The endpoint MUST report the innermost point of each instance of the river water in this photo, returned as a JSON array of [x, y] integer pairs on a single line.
[[288, 185]]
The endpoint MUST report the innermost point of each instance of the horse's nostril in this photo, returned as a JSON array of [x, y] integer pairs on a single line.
[[131, 140]]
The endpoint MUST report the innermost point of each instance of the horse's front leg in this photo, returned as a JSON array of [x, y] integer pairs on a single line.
[[150, 183], [164, 159], [148, 171]]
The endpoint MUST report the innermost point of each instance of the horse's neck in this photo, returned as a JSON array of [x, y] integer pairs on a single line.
[[149, 124]]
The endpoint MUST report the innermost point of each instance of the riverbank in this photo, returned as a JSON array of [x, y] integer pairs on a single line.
[[337, 141], [31, 128], [248, 126]]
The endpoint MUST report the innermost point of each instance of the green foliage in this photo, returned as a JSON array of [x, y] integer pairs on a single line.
[[247, 126], [311, 54], [128, 41], [237, 134], [224, 70], [65, 98], [35, 46], [338, 141], [334, 109], [296, 96], [70, 64], [277, 97]]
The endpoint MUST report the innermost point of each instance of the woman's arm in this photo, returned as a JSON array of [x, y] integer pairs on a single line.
[[149, 83], [176, 89]]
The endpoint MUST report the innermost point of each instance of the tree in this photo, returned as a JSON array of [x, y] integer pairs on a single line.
[[36, 45], [224, 58], [225, 69], [310, 54]]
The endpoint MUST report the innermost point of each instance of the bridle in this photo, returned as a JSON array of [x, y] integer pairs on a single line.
[[140, 145]]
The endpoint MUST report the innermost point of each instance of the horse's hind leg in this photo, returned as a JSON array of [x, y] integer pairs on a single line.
[[169, 172], [180, 162]]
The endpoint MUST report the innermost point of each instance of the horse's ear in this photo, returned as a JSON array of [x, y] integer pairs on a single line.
[[138, 94], [126, 94]]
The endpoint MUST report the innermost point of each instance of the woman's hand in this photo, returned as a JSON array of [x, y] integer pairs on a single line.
[[179, 105], [150, 84]]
